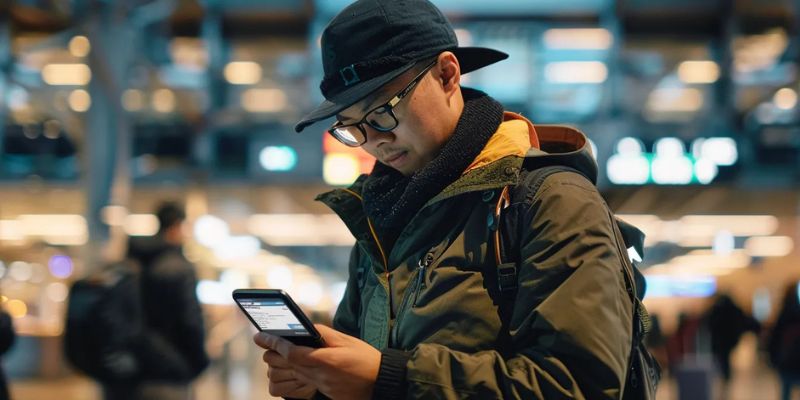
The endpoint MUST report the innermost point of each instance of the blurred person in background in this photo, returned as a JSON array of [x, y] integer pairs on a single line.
[[726, 325], [7, 338], [656, 341], [172, 351], [419, 319], [784, 342], [683, 340]]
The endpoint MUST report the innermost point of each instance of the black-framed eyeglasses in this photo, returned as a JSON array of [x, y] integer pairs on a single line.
[[381, 118]]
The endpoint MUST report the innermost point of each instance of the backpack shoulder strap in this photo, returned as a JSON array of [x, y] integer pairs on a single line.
[[506, 242], [507, 251]]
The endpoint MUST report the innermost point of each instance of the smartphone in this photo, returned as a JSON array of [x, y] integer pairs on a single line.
[[274, 312]]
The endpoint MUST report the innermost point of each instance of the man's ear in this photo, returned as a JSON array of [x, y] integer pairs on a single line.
[[449, 71]]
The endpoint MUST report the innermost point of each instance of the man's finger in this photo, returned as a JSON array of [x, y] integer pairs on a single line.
[[275, 343], [281, 375], [296, 355], [307, 375], [275, 360], [284, 389]]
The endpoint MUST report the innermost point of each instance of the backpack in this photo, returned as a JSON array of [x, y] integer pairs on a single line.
[[643, 370], [787, 357], [104, 322]]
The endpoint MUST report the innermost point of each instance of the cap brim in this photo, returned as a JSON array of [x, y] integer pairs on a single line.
[[472, 58], [347, 98], [469, 58]]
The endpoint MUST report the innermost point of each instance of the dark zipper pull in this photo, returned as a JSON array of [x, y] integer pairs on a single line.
[[423, 264]]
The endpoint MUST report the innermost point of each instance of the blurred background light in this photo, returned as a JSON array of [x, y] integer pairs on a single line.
[[141, 225], [133, 100], [264, 100], [243, 73], [213, 292], [705, 171], [79, 46], [16, 308], [670, 286], [578, 38], [20, 271], [80, 100], [210, 230], [721, 151], [236, 247], [785, 99], [340, 169], [698, 72], [278, 158], [57, 291], [724, 243], [310, 293], [163, 100], [576, 72], [280, 277], [669, 100], [628, 169], [61, 266], [67, 74], [769, 246]]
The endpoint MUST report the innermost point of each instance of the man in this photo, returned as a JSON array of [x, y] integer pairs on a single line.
[[172, 351], [419, 318]]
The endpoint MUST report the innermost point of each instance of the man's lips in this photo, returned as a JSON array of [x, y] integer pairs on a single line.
[[393, 157]]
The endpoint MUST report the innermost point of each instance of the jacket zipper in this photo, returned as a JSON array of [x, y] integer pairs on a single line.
[[417, 279], [384, 258], [423, 264]]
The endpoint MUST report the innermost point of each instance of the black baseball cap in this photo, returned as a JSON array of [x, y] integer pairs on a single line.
[[372, 42]]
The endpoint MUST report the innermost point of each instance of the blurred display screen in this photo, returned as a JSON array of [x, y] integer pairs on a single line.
[[672, 286]]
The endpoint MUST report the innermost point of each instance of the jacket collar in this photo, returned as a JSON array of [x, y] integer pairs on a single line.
[[517, 144]]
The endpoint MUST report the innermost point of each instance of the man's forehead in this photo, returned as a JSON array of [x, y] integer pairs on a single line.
[[376, 98], [357, 110]]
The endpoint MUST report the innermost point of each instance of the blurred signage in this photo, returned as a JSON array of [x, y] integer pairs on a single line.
[[673, 286], [670, 164], [279, 155], [343, 164]]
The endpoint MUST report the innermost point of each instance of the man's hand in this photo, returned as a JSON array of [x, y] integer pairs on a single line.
[[283, 380], [346, 369]]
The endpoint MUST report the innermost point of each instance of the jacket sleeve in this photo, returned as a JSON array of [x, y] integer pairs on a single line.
[[571, 325]]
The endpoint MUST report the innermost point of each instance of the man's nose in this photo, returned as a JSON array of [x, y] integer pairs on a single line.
[[376, 137]]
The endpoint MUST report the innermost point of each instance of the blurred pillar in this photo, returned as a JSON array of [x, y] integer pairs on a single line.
[[722, 53], [218, 55], [5, 68], [108, 139], [611, 20]]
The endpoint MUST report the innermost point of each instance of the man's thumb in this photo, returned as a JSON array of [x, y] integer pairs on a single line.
[[330, 336]]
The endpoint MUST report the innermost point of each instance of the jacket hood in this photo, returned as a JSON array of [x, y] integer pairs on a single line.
[[562, 145], [541, 145]]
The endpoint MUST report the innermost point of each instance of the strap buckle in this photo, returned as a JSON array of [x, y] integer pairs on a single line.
[[507, 277]]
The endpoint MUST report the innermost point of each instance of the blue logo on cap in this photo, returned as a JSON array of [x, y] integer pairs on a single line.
[[349, 75]]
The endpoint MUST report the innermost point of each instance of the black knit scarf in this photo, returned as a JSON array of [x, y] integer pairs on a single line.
[[391, 199]]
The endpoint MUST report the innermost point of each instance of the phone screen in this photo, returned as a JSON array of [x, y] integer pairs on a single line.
[[273, 315]]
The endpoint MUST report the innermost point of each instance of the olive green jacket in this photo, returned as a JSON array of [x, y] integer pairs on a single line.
[[570, 330]]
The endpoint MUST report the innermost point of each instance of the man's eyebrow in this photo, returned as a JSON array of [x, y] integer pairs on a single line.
[[369, 104]]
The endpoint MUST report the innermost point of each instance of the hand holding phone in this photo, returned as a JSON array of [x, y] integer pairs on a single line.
[[274, 312]]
